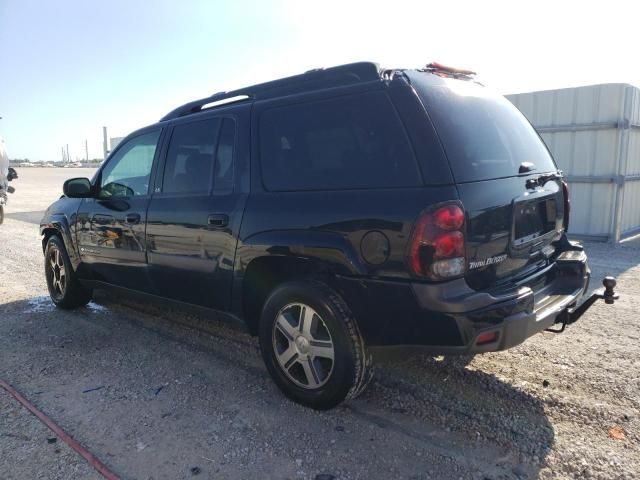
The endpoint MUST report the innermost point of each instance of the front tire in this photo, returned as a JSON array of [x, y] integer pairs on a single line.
[[64, 288], [312, 346]]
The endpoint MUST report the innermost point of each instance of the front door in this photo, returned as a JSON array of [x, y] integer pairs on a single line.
[[195, 213], [111, 226]]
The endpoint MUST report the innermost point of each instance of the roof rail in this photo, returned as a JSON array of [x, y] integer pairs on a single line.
[[218, 99], [310, 80]]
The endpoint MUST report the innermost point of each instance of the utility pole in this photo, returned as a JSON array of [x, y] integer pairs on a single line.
[[86, 150], [105, 148], [62, 150], [68, 157]]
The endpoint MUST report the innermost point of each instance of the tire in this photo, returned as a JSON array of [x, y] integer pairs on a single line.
[[1, 214], [64, 288], [311, 345]]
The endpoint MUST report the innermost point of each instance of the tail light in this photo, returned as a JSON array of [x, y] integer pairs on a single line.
[[437, 249], [567, 204]]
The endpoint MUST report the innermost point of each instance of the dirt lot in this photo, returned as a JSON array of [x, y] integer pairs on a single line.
[[157, 394]]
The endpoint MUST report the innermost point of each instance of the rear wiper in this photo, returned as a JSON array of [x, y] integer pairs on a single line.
[[526, 167]]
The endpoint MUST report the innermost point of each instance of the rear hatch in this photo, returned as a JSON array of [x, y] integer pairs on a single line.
[[506, 179]]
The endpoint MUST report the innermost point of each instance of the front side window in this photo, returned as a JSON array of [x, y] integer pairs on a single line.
[[127, 172], [343, 143]]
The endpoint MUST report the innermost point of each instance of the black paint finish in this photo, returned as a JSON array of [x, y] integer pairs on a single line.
[[192, 239], [110, 235], [227, 252], [490, 207]]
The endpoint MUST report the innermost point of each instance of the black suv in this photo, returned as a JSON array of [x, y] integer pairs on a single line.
[[333, 213]]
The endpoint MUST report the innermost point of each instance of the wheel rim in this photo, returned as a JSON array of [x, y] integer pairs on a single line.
[[57, 273], [303, 346]]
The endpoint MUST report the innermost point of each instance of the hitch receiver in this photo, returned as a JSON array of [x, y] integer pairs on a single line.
[[571, 315]]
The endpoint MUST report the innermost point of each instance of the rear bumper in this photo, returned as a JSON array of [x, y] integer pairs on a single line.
[[451, 318], [531, 312]]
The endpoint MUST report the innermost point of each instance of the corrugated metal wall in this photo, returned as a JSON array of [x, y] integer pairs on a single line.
[[594, 135], [630, 221]]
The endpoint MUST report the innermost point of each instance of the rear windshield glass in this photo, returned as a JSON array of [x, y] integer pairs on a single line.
[[342, 143], [483, 134]]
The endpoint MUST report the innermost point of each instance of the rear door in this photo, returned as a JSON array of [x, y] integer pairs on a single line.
[[196, 210], [111, 226], [505, 177]]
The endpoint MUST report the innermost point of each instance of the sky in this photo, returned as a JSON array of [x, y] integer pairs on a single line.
[[69, 67]]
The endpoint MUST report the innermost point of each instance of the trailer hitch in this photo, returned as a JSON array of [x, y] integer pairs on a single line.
[[572, 314]]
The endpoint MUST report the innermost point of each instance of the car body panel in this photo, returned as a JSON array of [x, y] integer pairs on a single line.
[[111, 232], [493, 258], [189, 259], [59, 218], [354, 240]]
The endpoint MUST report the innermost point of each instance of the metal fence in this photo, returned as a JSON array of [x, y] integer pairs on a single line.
[[594, 135]]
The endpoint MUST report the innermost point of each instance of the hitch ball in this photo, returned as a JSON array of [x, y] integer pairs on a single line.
[[609, 295]]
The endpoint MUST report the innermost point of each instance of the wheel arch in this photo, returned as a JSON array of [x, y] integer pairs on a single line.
[[59, 226], [267, 260]]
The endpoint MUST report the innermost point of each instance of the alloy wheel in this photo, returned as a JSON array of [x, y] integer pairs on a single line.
[[303, 346], [58, 274]]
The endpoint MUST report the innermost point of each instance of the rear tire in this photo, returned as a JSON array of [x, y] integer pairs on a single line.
[[312, 346], [64, 287]]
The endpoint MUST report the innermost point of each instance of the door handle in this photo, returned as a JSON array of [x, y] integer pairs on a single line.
[[218, 220], [132, 218], [100, 219]]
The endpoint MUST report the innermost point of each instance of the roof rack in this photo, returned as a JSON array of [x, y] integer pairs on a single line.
[[311, 80], [215, 100]]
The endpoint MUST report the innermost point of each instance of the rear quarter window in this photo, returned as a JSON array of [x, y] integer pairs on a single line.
[[349, 142]]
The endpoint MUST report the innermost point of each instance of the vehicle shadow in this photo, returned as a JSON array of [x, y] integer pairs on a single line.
[[475, 406], [28, 217]]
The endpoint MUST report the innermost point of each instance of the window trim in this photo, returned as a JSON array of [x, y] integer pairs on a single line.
[[307, 99], [152, 174], [234, 152]]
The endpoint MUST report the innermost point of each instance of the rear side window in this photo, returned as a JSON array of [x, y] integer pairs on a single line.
[[342, 143], [483, 134], [200, 158]]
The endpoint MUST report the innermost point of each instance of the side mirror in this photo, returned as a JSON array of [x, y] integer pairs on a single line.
[[77, 188], [12, 175]]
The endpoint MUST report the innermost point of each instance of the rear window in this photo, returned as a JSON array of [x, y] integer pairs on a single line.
[[343, 143], [483, 134]]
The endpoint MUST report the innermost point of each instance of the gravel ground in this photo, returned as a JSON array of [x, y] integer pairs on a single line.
[[158, 394], [29, 450]]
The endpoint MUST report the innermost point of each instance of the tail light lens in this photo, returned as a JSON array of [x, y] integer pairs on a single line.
[[567, 205], [437, 249]]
